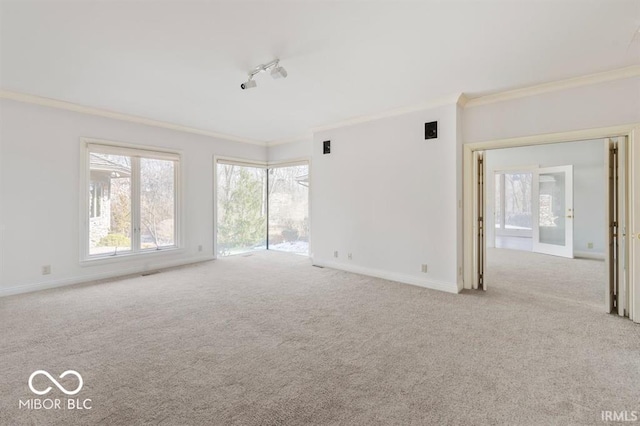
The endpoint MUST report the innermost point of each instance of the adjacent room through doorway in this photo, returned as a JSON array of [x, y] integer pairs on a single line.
[[545, 219]]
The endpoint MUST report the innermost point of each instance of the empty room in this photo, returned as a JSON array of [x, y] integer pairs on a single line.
[[319, 212]]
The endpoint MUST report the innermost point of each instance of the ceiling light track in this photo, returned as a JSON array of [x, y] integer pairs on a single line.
[[276, 72]]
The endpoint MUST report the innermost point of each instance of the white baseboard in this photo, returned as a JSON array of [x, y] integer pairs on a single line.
[[391, 276], [117, 272], [588, 255]]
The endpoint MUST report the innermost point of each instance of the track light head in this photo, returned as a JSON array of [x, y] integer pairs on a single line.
[[249, 84], [278, 72]]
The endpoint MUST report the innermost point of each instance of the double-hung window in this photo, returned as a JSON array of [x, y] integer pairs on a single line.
[[130, 202]]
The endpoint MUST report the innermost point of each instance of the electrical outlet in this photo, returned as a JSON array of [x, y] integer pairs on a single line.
[[200, 248], [335, 254], [424, 267], [590, 245], [350, 256], [46, 270]]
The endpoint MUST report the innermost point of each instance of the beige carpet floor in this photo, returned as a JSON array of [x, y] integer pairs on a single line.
[[270, 340]]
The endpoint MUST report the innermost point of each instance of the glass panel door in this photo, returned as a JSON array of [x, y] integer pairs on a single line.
[[553, 231]]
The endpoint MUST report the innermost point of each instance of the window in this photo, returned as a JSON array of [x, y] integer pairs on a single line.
[[242, 208], [261, 207], [512, 208], [132, 200], [289, 209]]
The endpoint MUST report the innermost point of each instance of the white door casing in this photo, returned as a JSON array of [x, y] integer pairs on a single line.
[[633, 224]]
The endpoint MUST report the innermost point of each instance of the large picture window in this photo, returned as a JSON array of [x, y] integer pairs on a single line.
[[131, 200], [262, 207], [242, 208], [289, 208]]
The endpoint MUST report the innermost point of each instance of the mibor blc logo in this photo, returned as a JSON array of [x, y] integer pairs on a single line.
[[55, 382], [55, 403]]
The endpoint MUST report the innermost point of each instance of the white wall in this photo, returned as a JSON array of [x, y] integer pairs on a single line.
[[39, 189], [587, 158], [600, 105], [384, 194], [356, 207], [388, 196], [290, 151]]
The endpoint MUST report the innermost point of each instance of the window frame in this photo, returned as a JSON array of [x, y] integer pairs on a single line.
[[502, 231], [93, 145], [267, 165]]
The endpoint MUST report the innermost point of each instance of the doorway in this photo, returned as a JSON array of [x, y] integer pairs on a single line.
[[533, 233], [616, 244]]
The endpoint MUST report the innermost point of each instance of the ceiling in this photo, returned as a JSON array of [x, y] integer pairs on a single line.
[[183, 61]]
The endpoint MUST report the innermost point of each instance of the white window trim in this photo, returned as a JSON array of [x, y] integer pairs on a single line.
[[88, 145]]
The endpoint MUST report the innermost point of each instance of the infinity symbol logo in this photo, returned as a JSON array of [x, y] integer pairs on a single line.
[[55, 382]]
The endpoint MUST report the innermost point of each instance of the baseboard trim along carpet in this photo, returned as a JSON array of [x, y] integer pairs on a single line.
[[588, 255], [391, 276], [119, 272]]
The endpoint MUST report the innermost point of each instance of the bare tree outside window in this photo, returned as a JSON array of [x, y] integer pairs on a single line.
[[157, 203]]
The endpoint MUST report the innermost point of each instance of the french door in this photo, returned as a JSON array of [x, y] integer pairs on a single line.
[[553, 211], [616, 296]]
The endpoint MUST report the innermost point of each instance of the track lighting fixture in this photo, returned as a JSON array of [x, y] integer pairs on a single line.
[[248, 84], [276, 72]]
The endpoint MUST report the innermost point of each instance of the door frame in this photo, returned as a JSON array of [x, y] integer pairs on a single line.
[[632, 133]]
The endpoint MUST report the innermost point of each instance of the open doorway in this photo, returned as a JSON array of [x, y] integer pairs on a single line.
[[620, 203], [547, 199], [545, 220]]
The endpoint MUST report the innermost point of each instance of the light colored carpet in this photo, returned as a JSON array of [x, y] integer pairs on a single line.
[[538, 277], [270, 340]]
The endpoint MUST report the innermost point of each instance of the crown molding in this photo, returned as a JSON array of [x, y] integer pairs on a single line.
[[585, 80], [463, 100], [69, 106], [446, 100]]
